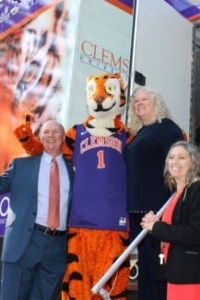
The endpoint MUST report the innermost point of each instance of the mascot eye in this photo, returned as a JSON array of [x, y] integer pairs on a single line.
[[90, 88], [110, 89]]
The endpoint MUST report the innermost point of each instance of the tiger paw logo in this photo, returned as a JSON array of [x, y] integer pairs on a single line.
[[14, 10], [122, 221]]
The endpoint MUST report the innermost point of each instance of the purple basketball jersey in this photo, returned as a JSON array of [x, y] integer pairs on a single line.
[[99, 196]]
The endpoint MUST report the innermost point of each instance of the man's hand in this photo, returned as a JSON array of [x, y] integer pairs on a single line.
[[148, 220]]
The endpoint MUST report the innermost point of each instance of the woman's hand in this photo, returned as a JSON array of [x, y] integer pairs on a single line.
[[148, 221]]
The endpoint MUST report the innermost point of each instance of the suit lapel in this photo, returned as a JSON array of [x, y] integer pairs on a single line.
[[34, 173]]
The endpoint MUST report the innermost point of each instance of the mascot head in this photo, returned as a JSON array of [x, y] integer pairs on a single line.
[[106, 100], [105, 95]]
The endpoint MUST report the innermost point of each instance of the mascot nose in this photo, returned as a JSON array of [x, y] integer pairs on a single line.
[[99, 100]]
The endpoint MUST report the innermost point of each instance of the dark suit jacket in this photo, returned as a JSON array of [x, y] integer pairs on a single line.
[[21, 181], [183, 262]]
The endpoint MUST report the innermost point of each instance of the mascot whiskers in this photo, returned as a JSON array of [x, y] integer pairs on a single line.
[[98, 224]]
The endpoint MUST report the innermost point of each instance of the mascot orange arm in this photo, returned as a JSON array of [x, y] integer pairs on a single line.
[[25, 136]]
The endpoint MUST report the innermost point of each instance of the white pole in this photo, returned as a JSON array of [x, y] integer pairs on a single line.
[[133, 51], [125, 254]]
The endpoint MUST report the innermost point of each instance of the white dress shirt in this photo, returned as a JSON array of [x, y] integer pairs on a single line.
[[43, 190]]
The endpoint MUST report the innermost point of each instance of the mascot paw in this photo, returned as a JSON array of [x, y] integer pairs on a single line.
[[30, 143], [23, 133]]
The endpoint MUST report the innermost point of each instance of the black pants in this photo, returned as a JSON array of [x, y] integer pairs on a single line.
[[148, 287]]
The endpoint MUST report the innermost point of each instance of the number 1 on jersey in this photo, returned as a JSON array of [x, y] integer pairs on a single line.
[[101, 164]]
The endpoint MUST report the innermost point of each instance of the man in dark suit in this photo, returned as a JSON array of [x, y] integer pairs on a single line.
[[34, 256]]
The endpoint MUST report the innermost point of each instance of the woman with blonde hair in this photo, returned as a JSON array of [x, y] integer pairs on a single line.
[[179, 229]]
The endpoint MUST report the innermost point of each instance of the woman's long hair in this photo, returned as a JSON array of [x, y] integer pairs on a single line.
[[194, 170], [160, 109]]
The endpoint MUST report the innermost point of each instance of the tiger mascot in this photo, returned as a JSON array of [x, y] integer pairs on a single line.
[[98, 223]]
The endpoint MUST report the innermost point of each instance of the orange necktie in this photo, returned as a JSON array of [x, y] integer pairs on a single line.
[[53, 219]]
